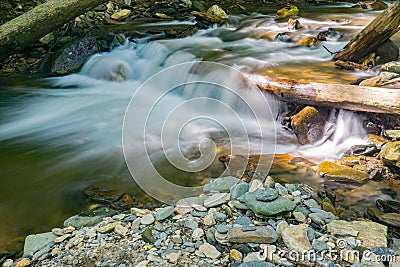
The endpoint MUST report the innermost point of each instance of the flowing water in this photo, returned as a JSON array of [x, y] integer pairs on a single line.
[[59, 135]]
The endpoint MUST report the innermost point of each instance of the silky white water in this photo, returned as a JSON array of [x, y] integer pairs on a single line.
[[66, 134]]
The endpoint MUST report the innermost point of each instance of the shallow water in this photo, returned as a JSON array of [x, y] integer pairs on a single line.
[[61, 134]]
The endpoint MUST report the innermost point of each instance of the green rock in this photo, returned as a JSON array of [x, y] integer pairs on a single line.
[[164, 213], [267, 209], [147, 236], [37, 242], [287, 12], [221, 185], [239, 190], [267, 195], [88, 218]]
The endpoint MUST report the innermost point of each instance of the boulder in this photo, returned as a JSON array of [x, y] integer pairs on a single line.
[[74, 55], [308, 125], [340, 173], [390, 154]]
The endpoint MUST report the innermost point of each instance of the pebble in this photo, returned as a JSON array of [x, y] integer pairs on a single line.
[[300, 217], [173, 257], [280, 227], [216, 200], [147, 219], [267, 195], [261, 235], [295, 237], [197, 234], [235, 255], [209, 251], [23, 262], [121, 230], [209, 220], [164, 213]]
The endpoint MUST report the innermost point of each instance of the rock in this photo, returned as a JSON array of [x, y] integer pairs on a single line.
[[164, 213], [209, 220], [235, 255], [216, 200], [105, 227], [295, 237], [300, 217], [216, 11], [329, 35], [147, 235], [256, 264], [393, 66], [60, 239], [308, 125], [391, 219], [388, 205], [386, 76], [122, 14], [294, 24], [23, 262], [147, 219], [307, 41], [101, 194], [74, 56], [287, 12], [37, 242], [173, 257], [281, 227], [8, 263], [387, 52], [267, 195], [221, 185], [267, 209], [390, 154], [198, 234], [209, 251], [369, 260], [261, 235], [121, 230], [184, 206], [340, 173], [322, 217], [378, 5], [373, 81], [371, 234]]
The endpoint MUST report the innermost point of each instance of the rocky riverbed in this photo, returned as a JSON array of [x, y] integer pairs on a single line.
[[234, 223]]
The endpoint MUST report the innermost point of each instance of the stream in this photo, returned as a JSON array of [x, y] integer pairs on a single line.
[[59, 135]]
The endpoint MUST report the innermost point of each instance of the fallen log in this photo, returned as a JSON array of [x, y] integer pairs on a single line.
[[24, 30], [372, 36], [350, 97]]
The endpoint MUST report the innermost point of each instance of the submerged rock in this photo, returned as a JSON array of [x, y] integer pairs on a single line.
[[308, 125], [390, 154], [221, 185], [74, 56], [340, 173]]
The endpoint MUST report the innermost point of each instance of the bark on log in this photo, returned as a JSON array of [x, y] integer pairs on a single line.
[[372, 36], [351, 97], [24, 30]]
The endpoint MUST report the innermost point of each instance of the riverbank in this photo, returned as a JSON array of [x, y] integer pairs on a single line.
[[234, 223]]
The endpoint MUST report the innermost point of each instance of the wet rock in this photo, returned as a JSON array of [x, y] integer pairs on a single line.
[[74, 56], [388, 205], [221, 185], [370, 234], [164, 213], [235, 255], [386, 52], [379, 5], [261, 235], [216, 11], [283, 37], [185, 205], [266, 209], [329, 35], [308, 125], [340, 173], [122, 14], [390, 218], [295, 237], [294, 24], [209, 251], [365, 150], [387, 76], [23, 262], [37, 242], [88, 218], [390, 154], [287, 12], [101, 194], [307, 41]]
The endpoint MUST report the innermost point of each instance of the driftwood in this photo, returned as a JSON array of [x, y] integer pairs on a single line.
[[24, 30], [351, 97], [372, 36]]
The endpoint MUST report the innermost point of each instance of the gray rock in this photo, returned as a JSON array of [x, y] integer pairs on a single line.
[[300, 217], [295, 237], [221, 185], [216, 200], [322, 218], [164, 213], [147, 219], [209, 251], [222, 229], [192, 224], [261, 235], [219, 217], [239, 190], [311, 203], [267, 195], [243, 220], [267, 209], [36, 242], [256, 264], [210, 236]]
